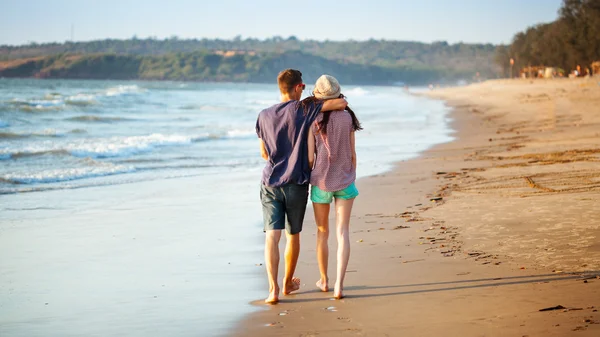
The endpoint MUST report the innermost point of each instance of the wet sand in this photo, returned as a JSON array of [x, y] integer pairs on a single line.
[[474, 237]]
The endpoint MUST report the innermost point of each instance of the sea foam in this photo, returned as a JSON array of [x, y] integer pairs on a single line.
[[103, 147], [58, 175]]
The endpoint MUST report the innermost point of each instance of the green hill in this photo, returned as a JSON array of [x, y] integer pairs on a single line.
[[251, 60], [205, 66]]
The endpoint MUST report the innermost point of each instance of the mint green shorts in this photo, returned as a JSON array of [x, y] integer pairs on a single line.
[[319, 196]]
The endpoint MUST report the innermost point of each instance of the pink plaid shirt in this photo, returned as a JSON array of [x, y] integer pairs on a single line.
[[333, 169]]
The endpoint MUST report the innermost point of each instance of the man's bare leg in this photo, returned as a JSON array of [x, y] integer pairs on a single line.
[[272, 263], [343, 208], [322, 219], [292, 251]]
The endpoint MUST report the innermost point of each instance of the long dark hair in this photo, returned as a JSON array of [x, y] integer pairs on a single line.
[[323, 123]]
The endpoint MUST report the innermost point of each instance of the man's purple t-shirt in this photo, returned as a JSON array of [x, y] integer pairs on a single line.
[[283, 129]]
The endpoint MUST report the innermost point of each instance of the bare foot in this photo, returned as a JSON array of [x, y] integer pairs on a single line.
[[291, 287], [323, 286], [338, 294], [273, 296]]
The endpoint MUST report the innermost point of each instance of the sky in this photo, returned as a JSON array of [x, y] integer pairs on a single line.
[[470, 21]]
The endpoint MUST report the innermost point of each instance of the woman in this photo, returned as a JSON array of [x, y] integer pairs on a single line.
[[332, 155]]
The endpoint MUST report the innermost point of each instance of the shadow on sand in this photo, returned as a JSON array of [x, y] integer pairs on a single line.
[[486, 282]]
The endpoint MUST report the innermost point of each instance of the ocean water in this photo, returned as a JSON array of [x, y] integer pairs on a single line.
[[131, 208]]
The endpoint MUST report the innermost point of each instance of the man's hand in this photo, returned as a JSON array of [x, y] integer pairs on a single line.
[[263, 150], [334, 104]]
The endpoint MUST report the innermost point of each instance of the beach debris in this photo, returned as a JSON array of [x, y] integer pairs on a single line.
[[274, 324], [558, 307], [406, 214], [440, 173], [258, 264], [436, 199], [331, 309], [361, 240], [283, 313], [572, 309], [409, 261], [400, 227], [533, 184]]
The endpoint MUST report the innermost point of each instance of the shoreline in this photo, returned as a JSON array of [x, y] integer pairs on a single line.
[[436, 277]]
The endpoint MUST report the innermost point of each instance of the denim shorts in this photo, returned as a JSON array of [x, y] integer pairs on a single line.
[[319, 196], [284, 207]]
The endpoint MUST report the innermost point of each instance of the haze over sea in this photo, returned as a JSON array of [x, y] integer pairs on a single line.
[[131, 208]]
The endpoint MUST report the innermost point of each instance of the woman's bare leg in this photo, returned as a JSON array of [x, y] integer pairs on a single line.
[[343, 208], [322, 220]]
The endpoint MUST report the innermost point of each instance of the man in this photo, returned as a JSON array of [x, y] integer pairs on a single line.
[[282, 130]]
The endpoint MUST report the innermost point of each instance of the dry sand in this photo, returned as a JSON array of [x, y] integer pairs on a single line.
[[517, 228]]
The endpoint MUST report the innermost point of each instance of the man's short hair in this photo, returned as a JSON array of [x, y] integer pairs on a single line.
[[288, 79]]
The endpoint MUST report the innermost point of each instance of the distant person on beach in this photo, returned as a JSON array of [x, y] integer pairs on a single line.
[[283, 130], [332, 156]]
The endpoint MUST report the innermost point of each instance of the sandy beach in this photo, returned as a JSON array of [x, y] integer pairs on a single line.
[[476, 236]]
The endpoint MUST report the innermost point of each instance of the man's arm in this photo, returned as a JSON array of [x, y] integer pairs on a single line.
[[334, 104], [263, 150]]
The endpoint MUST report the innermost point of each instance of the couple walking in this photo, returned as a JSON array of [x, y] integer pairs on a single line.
[[306, 141]]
